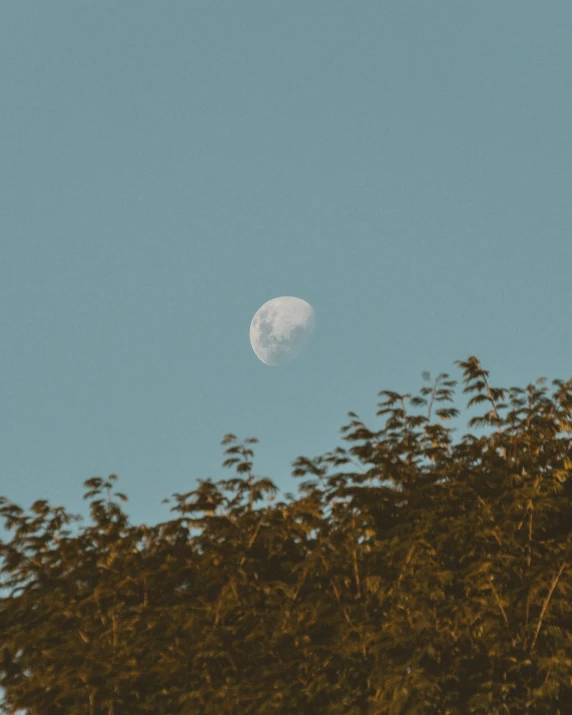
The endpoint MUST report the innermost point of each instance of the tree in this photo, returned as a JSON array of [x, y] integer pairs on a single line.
[[410, 576]]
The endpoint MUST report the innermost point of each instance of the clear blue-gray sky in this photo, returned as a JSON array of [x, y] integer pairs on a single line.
[[166, 168]]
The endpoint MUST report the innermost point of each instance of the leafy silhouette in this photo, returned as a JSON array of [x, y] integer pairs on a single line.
[[412, 575]]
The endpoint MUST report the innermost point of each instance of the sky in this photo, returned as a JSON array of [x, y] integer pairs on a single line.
[[167, 168]]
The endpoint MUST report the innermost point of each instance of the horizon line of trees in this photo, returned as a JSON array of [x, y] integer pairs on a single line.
[[411, 576]]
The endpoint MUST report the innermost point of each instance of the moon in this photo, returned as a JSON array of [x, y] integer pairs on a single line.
[[281, 329]]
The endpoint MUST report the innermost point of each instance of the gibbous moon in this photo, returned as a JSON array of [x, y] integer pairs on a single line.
[[281, 329]]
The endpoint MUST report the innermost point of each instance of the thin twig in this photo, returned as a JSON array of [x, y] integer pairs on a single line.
[[253, 537], [499, 602], [545, 604], [488, 508], [355, 561], [348, 619], [401, 575]]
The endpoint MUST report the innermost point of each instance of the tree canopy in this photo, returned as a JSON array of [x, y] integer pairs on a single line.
[[411, 575]]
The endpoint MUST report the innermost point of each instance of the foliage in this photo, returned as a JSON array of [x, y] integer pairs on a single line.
[[411, 576]]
